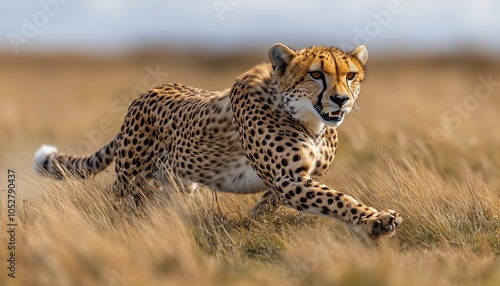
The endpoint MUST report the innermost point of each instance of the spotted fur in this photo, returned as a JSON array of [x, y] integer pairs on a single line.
[[275, 129]]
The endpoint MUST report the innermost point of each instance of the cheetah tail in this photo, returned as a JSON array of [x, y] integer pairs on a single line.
[[51, 163]]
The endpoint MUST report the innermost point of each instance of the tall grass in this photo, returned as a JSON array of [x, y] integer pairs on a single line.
[[70, 234]]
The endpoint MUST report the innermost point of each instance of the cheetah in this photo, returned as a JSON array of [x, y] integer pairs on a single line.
[[273, 131]]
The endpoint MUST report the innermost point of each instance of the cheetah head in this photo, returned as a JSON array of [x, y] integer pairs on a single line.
[[320, 84]]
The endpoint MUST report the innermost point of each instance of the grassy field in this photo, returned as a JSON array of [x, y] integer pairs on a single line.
[[425, 142]]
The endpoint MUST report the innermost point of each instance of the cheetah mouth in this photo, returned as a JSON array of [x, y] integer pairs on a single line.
[[333, 117]]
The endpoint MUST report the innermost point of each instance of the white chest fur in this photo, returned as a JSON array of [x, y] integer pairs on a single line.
[[242, 179]]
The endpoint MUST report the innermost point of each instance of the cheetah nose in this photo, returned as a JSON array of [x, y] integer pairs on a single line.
[[339, 99]]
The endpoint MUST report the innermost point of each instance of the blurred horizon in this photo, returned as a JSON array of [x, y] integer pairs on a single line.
[[220, 26]]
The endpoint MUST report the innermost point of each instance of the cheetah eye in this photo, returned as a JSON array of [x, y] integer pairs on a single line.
[[316, 74], [350, 75]]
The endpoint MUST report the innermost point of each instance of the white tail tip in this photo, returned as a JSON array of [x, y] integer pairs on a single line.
[[41, 156]]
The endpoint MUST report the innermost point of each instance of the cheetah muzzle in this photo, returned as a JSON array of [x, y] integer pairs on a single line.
[[335, 117]]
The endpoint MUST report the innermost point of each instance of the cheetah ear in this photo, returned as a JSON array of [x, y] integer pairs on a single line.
[[280, 57], [361, 53]]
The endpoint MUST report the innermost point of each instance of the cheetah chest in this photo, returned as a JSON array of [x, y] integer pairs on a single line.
[[241, 178]]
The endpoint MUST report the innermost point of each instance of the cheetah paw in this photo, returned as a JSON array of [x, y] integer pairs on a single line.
[[383, 224]]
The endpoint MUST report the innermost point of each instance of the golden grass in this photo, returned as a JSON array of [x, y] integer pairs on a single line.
[[70, 234]]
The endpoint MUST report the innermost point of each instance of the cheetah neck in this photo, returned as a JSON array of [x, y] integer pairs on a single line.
[[305, 117]]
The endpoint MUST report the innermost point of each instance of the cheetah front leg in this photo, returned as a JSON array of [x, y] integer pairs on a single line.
[[307, 195]]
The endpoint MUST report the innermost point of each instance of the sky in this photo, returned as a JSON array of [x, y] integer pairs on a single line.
[[109, 26]]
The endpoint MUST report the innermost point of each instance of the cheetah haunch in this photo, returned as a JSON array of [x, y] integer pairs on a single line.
[[275, 129]]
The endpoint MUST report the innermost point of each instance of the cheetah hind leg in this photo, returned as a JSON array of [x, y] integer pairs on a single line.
[[267, 203], [125, 197]]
